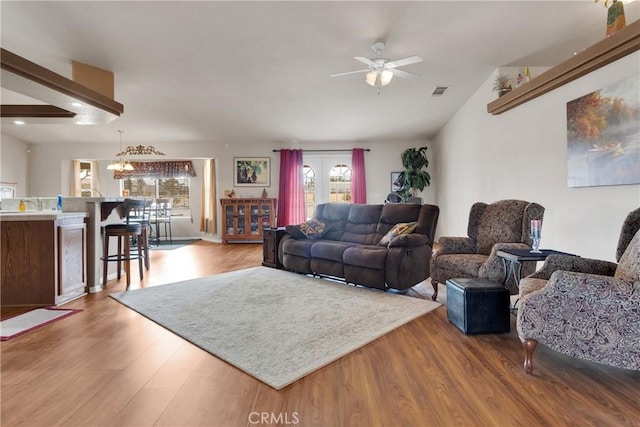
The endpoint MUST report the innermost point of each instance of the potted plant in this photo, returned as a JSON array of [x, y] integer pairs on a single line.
[[502, 85], [414, 177]]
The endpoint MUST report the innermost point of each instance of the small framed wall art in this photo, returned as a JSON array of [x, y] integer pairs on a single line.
[[252, 171], [394, 181]]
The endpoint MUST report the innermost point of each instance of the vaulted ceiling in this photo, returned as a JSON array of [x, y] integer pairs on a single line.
[[244, 72]]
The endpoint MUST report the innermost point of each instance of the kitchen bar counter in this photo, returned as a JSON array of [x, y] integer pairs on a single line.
[[43, 257], [100, 211], [39, 215]]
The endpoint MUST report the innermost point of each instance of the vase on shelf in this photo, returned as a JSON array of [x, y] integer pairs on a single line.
[[615, 18]]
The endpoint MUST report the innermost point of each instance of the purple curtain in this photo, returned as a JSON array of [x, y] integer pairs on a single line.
[[358, 180], [291, 188]]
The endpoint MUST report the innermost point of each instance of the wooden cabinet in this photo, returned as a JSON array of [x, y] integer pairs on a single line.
[[243, 220], [270, 245], [43, 260]]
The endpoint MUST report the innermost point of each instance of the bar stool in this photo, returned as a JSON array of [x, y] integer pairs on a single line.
[[129, 230], [162, 215], [144, 218]]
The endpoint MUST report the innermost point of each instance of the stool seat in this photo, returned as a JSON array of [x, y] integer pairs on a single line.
[[129, 228]]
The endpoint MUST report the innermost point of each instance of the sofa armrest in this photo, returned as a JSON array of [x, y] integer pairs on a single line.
[[456, 245], [409, 240], [577, 264]]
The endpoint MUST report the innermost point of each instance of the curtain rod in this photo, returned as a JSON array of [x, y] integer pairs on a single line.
[[318, 151]]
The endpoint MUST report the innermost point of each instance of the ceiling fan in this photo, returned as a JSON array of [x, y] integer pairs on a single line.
[[380, 70]]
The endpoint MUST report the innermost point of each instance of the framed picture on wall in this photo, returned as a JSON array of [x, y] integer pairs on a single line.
[[252, 171], [394, 179], [602, 136]]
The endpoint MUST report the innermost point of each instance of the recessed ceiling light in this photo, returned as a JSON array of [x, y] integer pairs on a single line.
[[19, 122], [76, 104]]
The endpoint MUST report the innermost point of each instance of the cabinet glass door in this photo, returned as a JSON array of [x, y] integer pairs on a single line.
[[241, 218], [229, 226], [254, 217], [265, 219]]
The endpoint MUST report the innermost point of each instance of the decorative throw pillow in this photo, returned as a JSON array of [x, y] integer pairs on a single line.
[[312, 229], [397, 230]]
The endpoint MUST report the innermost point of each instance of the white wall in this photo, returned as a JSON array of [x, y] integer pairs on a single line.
[[13, 163], [522, 154], [49, 168]]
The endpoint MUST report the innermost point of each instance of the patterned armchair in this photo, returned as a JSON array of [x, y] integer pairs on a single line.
[[586, 308], [505, 224]]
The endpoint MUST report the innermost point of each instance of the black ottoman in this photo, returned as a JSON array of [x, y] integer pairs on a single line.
[[478, 306]]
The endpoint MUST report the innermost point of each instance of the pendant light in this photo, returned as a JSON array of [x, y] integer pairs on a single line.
[[120, 163]]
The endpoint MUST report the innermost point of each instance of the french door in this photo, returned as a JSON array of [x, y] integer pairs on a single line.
[[327, 178]]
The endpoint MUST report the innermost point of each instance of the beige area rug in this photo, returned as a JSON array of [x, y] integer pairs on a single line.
[[274, 325]]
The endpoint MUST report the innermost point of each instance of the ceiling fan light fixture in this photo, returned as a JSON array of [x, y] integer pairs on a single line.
[[371, 78], [385, 77]]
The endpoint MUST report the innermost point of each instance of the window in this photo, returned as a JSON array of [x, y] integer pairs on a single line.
[[175, 189], [86, 179], [309, 176]]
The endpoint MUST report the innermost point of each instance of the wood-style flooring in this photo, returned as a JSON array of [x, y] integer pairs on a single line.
[[110, 366]]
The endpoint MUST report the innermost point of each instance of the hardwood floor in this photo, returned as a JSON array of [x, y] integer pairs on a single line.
[[109, 366]]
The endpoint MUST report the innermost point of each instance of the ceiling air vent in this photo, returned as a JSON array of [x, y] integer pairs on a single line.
[[439, 90]]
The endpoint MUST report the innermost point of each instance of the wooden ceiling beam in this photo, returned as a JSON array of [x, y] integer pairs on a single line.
[[25, 77]]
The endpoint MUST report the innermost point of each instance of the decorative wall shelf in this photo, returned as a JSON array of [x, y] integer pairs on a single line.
[[612, 48]]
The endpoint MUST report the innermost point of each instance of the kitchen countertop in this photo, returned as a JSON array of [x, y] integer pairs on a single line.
[[39, 215]]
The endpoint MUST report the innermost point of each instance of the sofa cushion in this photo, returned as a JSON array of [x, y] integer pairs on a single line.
[[629, 265], [330, 250], [362, 224], [397, 230], [334, 216], [368, 256]]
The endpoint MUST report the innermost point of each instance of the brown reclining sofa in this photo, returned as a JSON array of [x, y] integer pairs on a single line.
[[349, 245]]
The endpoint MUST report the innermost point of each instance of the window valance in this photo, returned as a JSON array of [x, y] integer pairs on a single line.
[[169, 169]]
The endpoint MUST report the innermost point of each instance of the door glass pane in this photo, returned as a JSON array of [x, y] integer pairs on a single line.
[[309, 190], [340, 184]]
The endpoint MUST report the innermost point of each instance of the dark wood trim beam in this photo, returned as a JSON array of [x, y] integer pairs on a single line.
[[24, 111], [622, 43], [26, 77]]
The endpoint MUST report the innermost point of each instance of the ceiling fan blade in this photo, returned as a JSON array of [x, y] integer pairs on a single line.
[[404, 74], [364, 60], [349, 72], [403, 61]]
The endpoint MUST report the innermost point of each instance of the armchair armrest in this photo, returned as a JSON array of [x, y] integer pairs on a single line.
[[456, 245], [493, 268], [586, 286], [577, 264], [408, 240]]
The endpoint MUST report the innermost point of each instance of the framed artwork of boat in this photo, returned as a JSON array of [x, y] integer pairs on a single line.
[[603, 136]]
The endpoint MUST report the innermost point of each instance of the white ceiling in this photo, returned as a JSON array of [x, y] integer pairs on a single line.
[[243, 72]]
